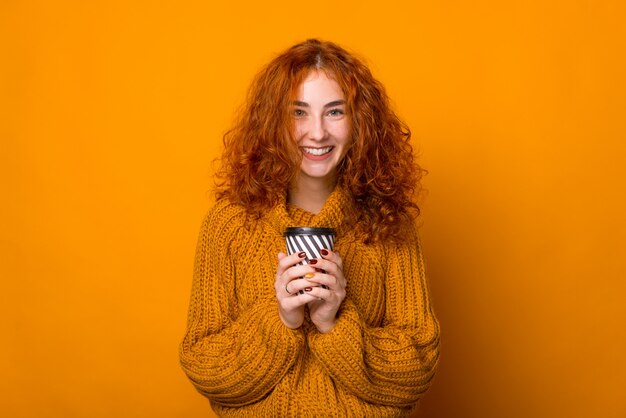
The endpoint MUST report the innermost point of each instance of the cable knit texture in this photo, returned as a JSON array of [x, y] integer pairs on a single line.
[[378, 360]]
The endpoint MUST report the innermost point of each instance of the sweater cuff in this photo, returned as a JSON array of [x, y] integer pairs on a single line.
[[344, 342], [263, 320]]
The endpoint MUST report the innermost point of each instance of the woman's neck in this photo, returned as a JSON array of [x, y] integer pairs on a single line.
[[310, 194]]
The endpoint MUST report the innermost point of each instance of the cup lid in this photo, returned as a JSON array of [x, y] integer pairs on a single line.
[[303, 230]]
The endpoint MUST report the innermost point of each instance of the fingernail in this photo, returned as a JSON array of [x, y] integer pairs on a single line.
[[324, 252], [308, 289], [309, 275], [314, 261], [301, 254]]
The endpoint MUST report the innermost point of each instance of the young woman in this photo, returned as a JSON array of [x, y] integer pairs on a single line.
[[352, 333]]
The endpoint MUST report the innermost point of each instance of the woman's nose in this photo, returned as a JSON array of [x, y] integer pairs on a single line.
[[317, 130]]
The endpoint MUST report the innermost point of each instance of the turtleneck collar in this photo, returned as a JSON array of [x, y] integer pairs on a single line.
[[333, 213]]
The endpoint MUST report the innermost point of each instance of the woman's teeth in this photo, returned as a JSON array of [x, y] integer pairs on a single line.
[[317, 151]]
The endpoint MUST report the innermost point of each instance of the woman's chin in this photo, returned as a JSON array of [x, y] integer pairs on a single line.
[[322, 176]]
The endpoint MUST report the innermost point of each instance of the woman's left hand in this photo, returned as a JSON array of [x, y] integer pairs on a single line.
[[323, 310]]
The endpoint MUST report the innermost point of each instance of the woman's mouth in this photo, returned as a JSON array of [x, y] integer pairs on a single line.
[[317, 151]]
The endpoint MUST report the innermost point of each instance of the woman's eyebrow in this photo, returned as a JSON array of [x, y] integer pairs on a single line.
[[330, 104], [335, 103]]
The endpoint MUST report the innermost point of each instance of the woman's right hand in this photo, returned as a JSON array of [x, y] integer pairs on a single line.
[[288, 285]]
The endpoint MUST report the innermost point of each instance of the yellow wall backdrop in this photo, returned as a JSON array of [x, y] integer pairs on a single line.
[[111, 112]]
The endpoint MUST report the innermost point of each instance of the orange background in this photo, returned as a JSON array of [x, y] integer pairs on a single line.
[[110, 113]]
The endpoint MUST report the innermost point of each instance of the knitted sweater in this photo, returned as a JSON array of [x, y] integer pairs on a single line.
[[377, 361]]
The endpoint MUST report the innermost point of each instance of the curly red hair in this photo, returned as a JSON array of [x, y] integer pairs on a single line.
[[261, 158]]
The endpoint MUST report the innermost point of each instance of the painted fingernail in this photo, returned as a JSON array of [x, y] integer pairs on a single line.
[[324, 252], [314, 261], [301, 254], [309, 275], [308, 289]]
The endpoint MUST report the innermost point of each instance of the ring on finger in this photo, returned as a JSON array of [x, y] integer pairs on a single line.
[[287, 289]]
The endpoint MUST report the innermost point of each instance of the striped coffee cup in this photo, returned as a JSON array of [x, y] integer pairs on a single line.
[[309, 240]]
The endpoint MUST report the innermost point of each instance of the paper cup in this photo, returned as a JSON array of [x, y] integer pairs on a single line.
[[309, 240]]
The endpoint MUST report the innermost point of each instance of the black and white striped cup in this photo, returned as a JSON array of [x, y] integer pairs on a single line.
[[309, 240]]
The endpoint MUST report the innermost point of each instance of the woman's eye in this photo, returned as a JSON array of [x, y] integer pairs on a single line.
[[335, 112], [298, 112]]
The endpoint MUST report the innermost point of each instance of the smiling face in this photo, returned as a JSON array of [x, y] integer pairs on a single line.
[[322, 128]]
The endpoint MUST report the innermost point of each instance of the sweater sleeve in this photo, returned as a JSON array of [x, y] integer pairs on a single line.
[[393, 364], [233, 355]]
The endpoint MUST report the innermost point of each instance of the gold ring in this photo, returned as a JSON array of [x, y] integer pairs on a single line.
[[287, 290]]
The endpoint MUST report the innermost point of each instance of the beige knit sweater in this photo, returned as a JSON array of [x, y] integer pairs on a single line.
[[378, 360]]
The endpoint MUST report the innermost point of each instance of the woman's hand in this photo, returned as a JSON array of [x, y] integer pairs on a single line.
[[323, 308], [288, 285]]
